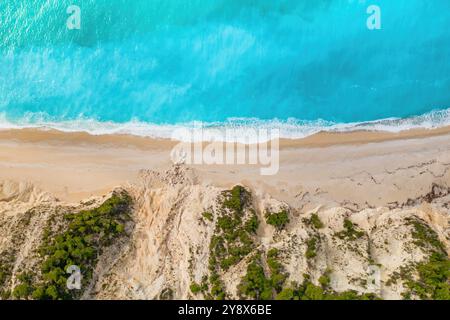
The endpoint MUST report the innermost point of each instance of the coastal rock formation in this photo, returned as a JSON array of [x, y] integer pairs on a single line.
[[172, 236]]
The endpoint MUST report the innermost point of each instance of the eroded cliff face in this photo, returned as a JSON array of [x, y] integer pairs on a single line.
[[185, 239]]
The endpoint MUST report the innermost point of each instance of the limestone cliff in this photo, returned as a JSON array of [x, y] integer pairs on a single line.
[[184, 239]]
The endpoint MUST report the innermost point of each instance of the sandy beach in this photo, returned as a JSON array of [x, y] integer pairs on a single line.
[[352, 169]]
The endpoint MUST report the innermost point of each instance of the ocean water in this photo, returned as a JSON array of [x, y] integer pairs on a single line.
[[147, 66]]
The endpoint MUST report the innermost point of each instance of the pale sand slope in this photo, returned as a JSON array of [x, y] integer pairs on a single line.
[[353, 170]]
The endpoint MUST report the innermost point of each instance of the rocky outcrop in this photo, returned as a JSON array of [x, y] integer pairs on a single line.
[[191, 240]]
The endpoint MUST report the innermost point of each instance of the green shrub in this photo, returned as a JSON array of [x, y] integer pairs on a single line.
[[434, 279], [6, 267], [52, 293], [308, 291], [22, 291], [228, 224], [350, 231], [325, 280], [311, 247], [424, 236], [279, 219], [39, 293], [255, 284], [236, 199], [277, 275], [313, 292], [217, 286], [207, 215], [286, 294], [25, 286], [316, 222], [119, 228], [195, 288], [251, 226]]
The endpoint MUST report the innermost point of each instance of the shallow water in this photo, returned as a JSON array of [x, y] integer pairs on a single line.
[[138, 66]]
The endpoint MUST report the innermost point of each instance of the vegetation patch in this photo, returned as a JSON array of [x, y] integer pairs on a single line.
[[278, 219], [430, 279], [6, 265], [351, 231], [234, 236], [309, 291], [314, 221], [256, 284], [236, 199], [277, 273], [252, 224], [198, 288], [433, 279], [207, 215], [325, 279], [79, 243], [311, 247], [424, 236], [25, 287], [402, 274]]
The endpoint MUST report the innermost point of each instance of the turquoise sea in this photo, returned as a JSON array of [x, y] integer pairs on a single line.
[[146, 66]]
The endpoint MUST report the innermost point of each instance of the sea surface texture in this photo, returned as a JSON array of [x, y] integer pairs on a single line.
[[145, 66]]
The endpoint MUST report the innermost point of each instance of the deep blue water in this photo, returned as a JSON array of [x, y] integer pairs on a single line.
[[178, 61]]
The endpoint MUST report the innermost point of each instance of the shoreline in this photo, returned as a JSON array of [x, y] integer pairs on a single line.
[[320, 139]]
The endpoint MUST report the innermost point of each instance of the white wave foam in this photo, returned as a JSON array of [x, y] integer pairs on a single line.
[[289, 129]]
